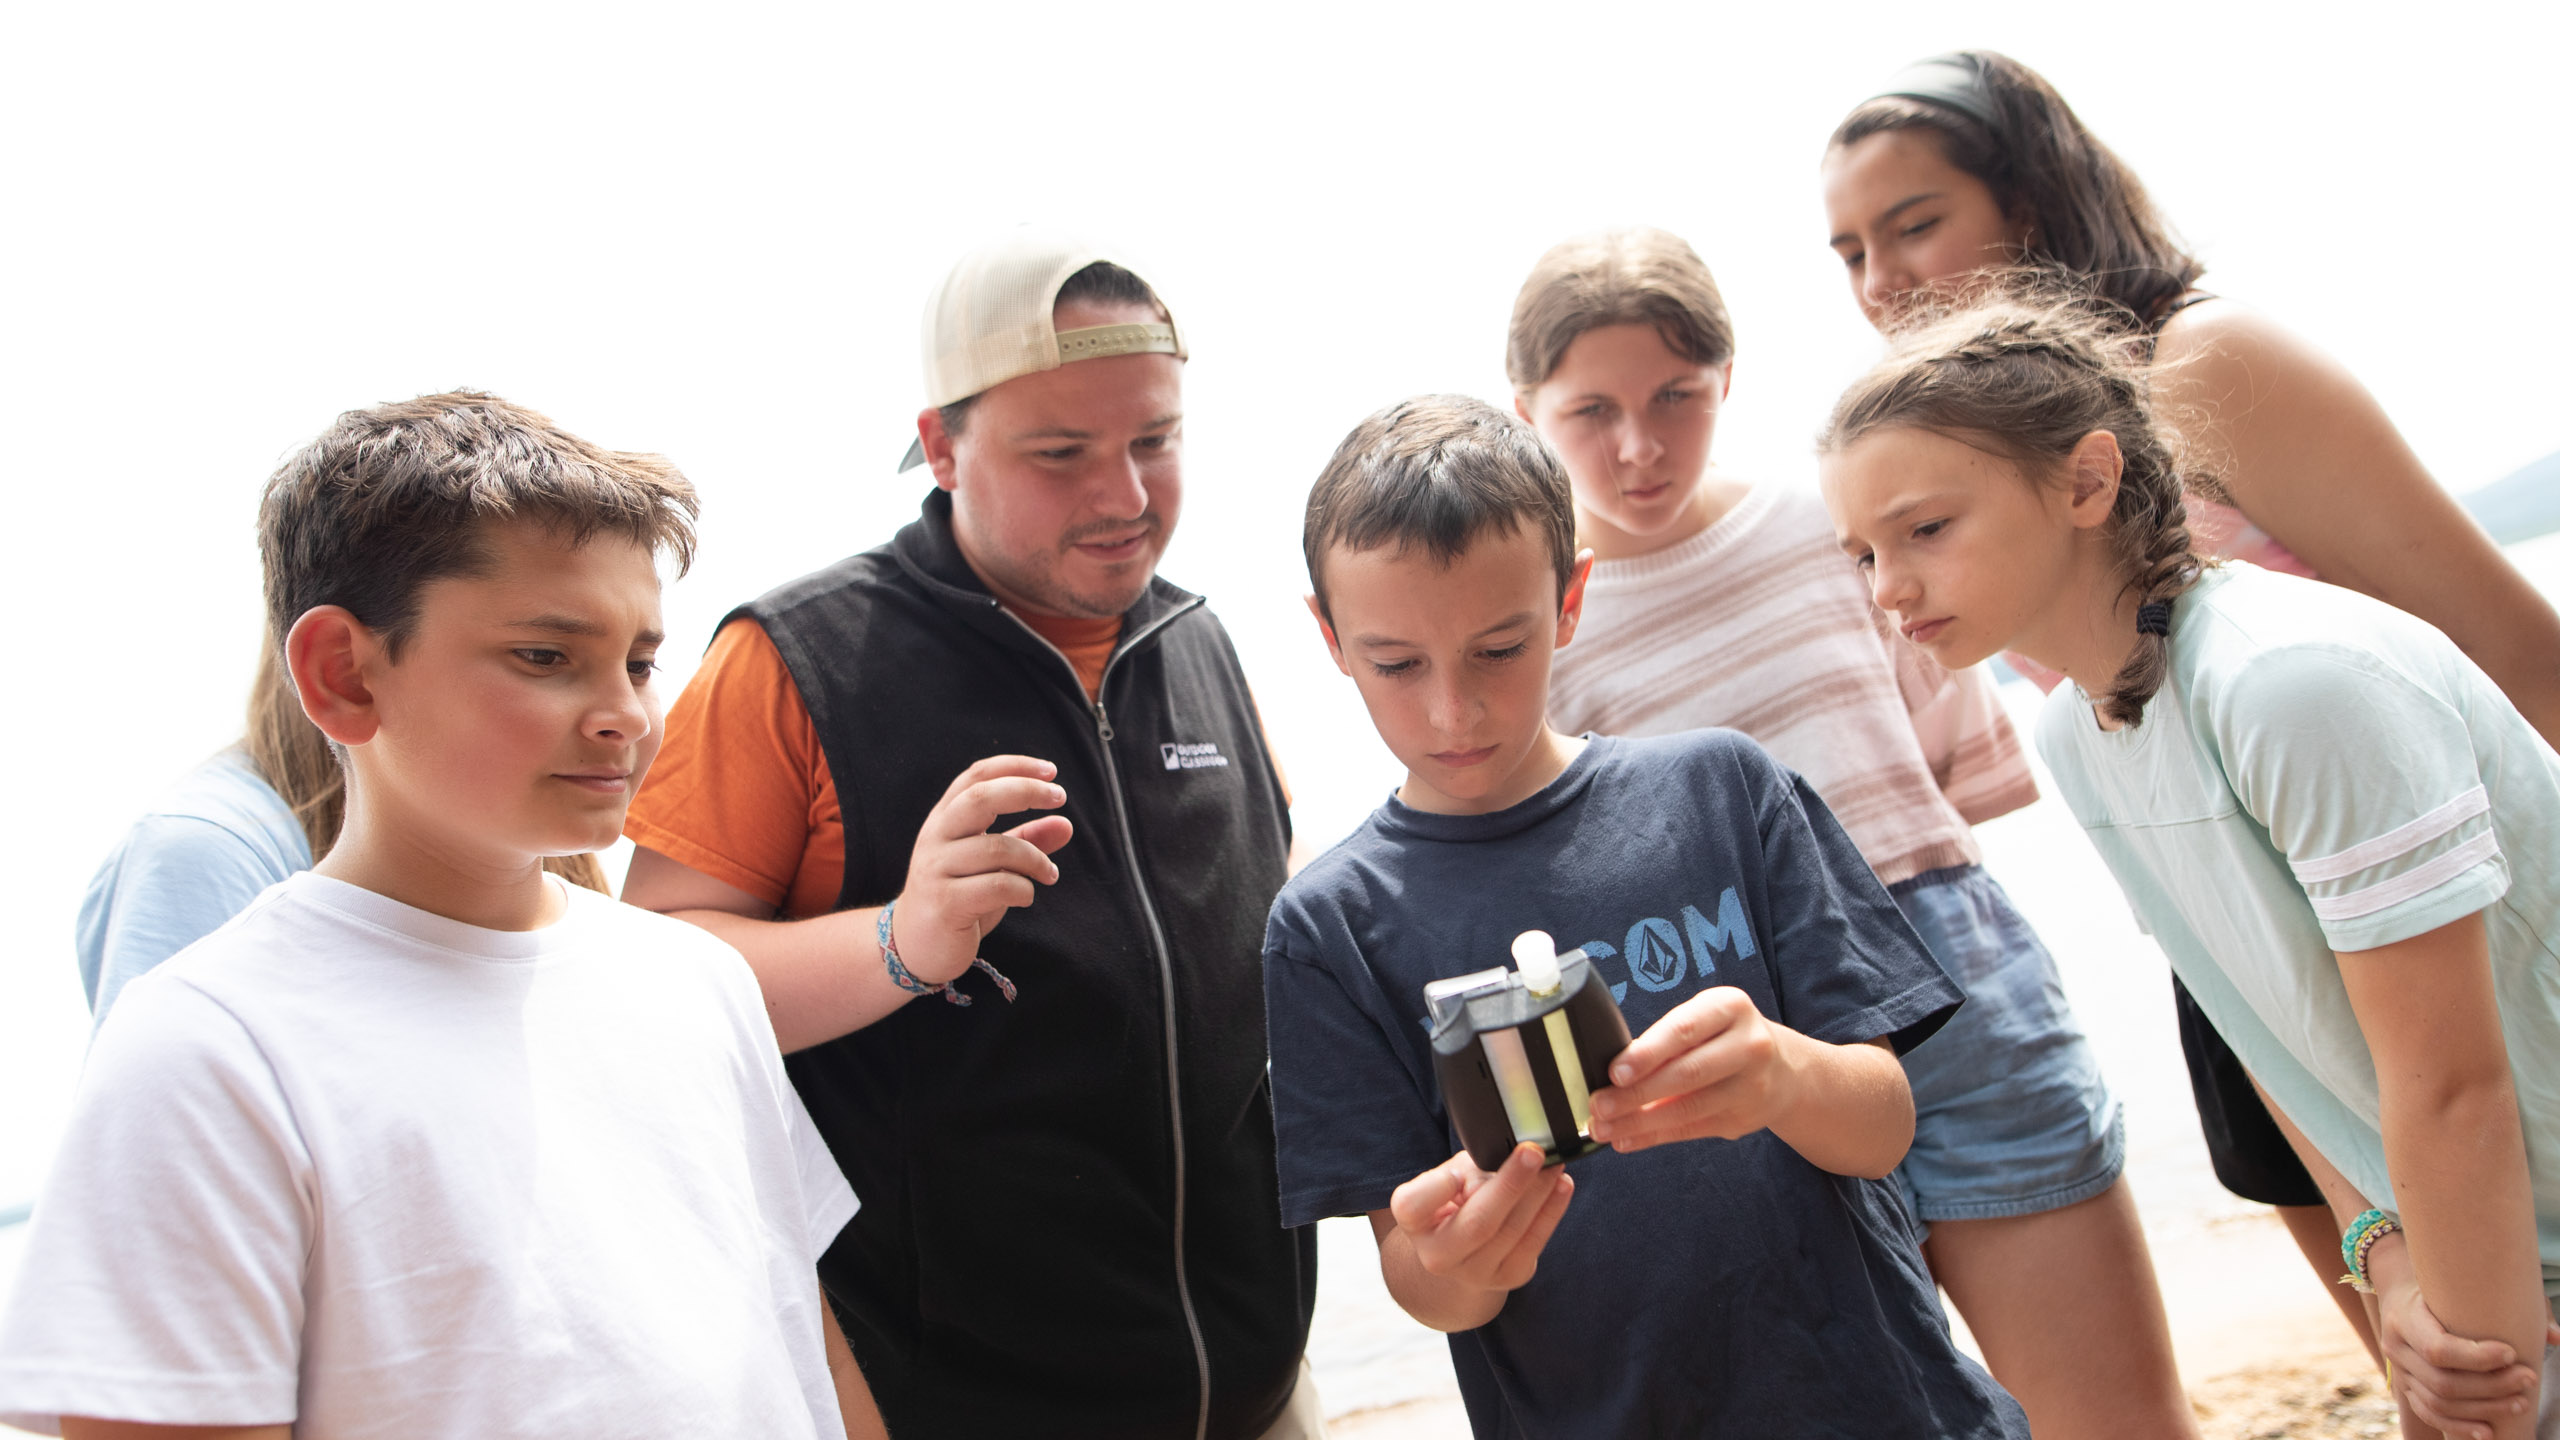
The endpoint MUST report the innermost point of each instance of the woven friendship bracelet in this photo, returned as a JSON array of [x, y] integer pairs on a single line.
[[904, 979], [2356, 1246]]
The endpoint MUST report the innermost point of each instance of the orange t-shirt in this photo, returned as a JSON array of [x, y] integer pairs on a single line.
[[740, 790]]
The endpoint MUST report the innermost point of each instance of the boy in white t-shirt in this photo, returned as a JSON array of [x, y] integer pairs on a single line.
[[425, 1142]]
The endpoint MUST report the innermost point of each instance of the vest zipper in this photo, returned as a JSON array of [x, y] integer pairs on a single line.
[[1164, 969]]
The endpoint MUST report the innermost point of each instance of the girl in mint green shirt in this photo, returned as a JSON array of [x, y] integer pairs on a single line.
[[2342, 833]]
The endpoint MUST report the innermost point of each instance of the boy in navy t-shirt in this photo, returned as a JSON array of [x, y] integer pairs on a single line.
[[1762, 1277]]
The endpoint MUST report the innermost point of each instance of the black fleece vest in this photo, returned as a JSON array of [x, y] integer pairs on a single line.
[[1070, 1220]]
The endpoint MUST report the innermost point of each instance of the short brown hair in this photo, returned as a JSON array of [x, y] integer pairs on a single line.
[[1616, 277], [390, 498], [1436, 472]]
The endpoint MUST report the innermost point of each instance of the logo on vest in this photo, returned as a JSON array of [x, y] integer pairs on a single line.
[[1191, 756]]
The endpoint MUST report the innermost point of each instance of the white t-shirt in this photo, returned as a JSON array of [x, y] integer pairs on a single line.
[[380, 1173], [2322, 773], [1759, 623]]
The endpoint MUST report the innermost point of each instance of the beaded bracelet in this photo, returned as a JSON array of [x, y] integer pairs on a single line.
[[904, 979], [2356, 1246]]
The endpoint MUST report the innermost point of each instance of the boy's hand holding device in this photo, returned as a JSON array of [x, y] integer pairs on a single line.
[[1457, 1239], [961, 879], [1716, 1068], [1711, 1068]]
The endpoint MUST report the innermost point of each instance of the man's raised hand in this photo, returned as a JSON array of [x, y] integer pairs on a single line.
[[961, 879]]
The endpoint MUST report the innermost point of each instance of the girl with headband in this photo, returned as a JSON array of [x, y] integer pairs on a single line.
[[2339, 829], [1970, 162]]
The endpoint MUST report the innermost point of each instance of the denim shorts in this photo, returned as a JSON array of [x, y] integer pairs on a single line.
[[2014, 1118]]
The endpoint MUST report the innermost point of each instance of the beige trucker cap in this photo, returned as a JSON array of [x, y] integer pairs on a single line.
[[991, 319]]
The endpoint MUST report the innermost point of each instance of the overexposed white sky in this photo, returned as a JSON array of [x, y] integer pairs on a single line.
[[708, 231]]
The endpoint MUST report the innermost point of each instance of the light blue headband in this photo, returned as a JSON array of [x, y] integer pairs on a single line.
[[1950, 80]]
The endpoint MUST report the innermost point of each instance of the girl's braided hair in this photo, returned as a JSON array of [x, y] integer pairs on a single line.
[[2025, 380]]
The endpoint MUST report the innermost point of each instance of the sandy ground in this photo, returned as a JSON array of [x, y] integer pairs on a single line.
[[2316, 1397]]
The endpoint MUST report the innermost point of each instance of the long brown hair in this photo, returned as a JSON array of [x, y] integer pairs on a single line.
[[2085, 211], [2026, 382], [293, 757]]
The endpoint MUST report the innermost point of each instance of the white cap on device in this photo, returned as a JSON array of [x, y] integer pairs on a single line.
[[1534, 951], [992, 319]]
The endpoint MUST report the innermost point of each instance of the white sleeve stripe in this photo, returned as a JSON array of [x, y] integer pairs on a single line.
[[2391, 846], [2384, 894]]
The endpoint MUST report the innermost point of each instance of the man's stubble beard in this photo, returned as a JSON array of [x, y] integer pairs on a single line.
[[1037, 584]]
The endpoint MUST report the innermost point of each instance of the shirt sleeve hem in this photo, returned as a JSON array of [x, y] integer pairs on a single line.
[[694, 856], [2470, 892], [37, 1402], [1905, 1019], [831, 1214], [1357, 1197], [1983, 806]]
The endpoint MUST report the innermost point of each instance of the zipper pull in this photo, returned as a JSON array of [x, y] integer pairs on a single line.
[[1102, 720]]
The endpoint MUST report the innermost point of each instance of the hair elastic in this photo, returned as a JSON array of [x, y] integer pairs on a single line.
[[1952, 80], [2153, 619]]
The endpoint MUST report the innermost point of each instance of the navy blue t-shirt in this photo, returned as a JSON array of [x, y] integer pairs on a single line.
[[1706, 1288]]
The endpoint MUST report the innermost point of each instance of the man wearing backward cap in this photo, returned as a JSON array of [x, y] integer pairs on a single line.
[[1058, 1124]]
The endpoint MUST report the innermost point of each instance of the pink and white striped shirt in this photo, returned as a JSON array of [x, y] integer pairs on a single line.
[[1758, 623]]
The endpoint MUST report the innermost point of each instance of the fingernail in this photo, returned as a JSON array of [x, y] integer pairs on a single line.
[[1622, 1074]]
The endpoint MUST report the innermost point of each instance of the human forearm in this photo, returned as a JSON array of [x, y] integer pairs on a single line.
[[2451, 1134], [822, 977], [2458, 1172], [1848, 1109], [2442, 1379]]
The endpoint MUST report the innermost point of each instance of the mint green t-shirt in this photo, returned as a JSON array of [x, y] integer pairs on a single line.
[[2322, 773]]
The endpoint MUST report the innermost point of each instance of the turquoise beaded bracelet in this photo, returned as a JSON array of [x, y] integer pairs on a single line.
[[2356, 1246]]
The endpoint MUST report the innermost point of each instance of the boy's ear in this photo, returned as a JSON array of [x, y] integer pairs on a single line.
[[2096, 466], [328, 652], [1520, 407], [1332, 645], [1569, 615], [1728, 383], [936, 443]]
